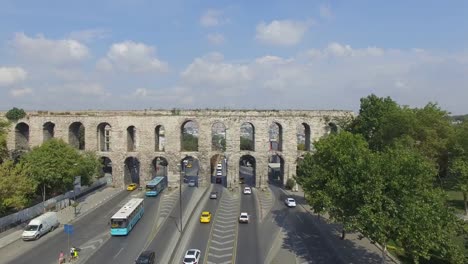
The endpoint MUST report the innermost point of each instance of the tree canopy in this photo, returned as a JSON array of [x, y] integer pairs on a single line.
[[15, 114]]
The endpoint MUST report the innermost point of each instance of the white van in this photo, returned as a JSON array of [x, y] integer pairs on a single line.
[[40, 225]]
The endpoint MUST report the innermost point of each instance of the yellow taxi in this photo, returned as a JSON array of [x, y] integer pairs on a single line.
[[131, 186], [189, 165], [205, 217]]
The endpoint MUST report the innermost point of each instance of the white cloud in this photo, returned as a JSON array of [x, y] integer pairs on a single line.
[[11, 75], [335, 49], [211, 18], [132, 57], [325, 12], [173, 96], [216, 38], [49, 51], [21, 92], [281, 32], [89, 35], [78, 88]]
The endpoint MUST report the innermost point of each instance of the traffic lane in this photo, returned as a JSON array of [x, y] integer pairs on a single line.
[[201, 234], [47, 248], [248, 175], [171, 225], [247, 237], [125, 249]]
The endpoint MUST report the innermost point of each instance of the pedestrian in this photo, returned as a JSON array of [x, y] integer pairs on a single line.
[[61, 257]]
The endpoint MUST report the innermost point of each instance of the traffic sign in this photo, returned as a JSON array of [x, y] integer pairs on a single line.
[[68, 229]]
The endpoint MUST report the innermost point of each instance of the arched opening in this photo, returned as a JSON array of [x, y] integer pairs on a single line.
[[247, 170], [218, 164], [104, 137], [131, 138], [247, 137], [218, 137], [276, 169], [48, 131], [106, 163], [159, 167], [76, 135], [190, 168], [131, 171], [22, 136], [159, 138], [303, 137], [189, 136], [276, 137]]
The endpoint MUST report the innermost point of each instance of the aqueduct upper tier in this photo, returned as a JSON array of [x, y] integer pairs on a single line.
[[137, 145]]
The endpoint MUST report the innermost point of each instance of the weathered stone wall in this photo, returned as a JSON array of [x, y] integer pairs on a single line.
[[146, 121]]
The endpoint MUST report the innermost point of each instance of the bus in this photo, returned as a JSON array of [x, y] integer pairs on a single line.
[[155, 186], [126, 218]]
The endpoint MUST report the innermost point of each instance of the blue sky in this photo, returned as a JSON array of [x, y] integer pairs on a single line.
[[294, 54]]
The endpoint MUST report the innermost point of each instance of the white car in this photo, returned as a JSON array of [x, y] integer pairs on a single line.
[[244, 217], [219, 173], [219, 166], [192, 256], [247, 190], [290, 202]]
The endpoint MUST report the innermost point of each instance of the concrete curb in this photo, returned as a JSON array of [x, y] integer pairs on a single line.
[[183, 239]]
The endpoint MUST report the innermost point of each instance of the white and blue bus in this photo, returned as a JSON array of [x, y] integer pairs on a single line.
[[155, 186], [126, 218]]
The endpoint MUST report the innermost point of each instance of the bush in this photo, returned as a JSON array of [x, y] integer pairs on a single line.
[[290, 184], [15, 114]]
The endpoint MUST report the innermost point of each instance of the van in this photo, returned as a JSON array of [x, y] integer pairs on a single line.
[[40, 225]]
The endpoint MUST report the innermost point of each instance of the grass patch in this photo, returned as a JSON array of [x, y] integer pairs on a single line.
[[455, 200]]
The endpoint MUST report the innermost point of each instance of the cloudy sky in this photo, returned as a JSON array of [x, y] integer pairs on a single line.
[[275, 54]]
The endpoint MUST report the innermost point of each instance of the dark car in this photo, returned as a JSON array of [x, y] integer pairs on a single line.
[[146, 257]]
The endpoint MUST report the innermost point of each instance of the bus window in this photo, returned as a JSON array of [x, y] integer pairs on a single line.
[[118, 223]]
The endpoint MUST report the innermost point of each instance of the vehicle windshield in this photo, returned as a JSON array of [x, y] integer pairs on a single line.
[[189, 259], [118, 223], [31, 228], [150, 187], [142, 260], [205, 214]]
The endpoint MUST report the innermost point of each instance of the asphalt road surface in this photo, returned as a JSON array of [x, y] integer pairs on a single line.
[[247, 238]]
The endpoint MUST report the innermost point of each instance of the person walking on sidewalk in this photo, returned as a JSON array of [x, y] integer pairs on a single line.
[[61, 257]]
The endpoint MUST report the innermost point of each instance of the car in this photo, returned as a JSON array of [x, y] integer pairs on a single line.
[[192, 256], [146, 257], [244, 217], [205, 217], [219, 173], [214, 195], [132, 186], [219, 166], [191, 183], [247, 190], [290, 202], [189, 165]]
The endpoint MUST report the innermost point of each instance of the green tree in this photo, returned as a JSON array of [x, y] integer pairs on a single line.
[[15, 114], [16, 190], [189, 142], [3, 137], [246, 144], [54, 164]]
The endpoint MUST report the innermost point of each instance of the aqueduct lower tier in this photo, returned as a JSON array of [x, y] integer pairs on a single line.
[[137, 145]]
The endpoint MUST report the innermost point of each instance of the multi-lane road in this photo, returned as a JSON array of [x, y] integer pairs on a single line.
[[223, 240]]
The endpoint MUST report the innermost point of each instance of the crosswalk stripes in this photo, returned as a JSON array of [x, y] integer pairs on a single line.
[[265, 200], [168, 202]]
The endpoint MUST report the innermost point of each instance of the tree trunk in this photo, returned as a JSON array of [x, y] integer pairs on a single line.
[[384, 253], [343, 234], [465, 203]]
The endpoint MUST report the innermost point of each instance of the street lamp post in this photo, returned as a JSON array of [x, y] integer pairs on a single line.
[[184, 164]]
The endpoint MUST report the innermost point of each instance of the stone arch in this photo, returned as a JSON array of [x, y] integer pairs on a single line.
[[303, 137], [189, 136], [159, 167], [218, 136], [22, 136], [76, 135], [275, 133], [131, 138], [218, 169], [131, 170], [106, 164], [247, 136], [247, 170], [190, 168], [104, 137], [159, 138], [48, 131], [276, 169]]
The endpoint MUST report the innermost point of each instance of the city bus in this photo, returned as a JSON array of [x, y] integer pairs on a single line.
[[155, 186], [126, 218]]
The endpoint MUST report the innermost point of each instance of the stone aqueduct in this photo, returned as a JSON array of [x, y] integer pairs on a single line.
[[117, 136]]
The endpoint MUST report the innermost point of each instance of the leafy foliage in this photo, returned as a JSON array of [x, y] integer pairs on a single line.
[[15, 188], [246, 144], [3, 137], [189, 142], [218, 142], [290, 183], [15, 114]]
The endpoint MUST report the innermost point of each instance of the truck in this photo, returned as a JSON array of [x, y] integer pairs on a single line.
[[40, 225]]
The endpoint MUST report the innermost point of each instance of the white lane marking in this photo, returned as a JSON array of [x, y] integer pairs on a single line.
[[118, 253], [300, 219]]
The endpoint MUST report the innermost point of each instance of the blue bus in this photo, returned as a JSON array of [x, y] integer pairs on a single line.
[[155, 186], [126, 218]]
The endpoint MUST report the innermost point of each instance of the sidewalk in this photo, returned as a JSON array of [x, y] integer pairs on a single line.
[[347, 248], [67, 215]]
